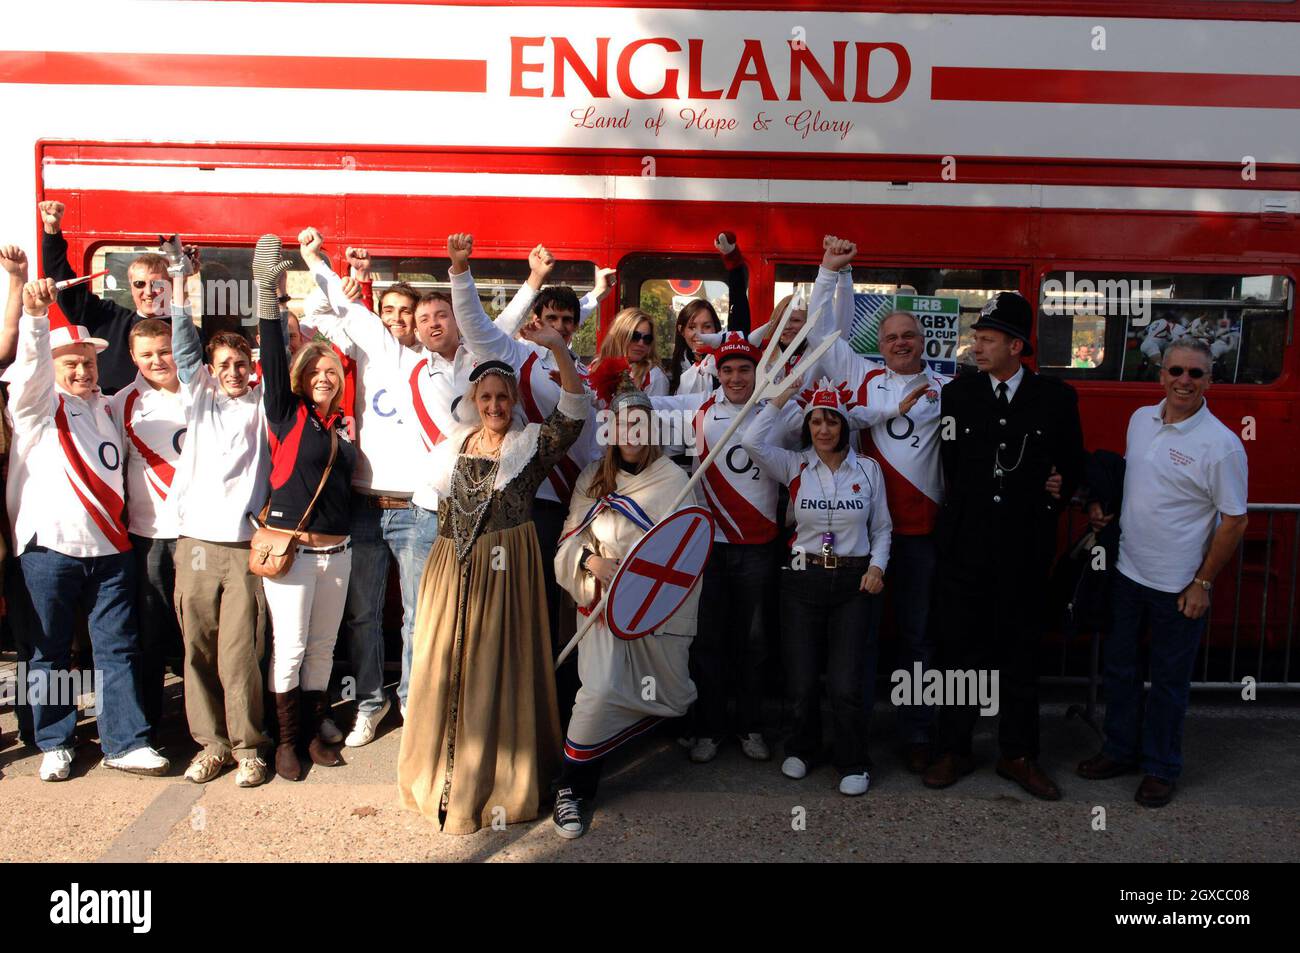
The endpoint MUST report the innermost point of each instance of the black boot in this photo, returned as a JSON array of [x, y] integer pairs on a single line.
[[315, 709], [287, 710]]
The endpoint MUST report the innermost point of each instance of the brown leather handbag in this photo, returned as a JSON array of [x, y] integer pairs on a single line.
[[273, 550]]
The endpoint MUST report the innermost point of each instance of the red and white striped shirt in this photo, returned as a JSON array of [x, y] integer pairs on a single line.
[[65, 487], [152, 423], [907, 448]]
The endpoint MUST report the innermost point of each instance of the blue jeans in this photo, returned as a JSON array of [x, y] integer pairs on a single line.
[[407, 535], [1150, 733], [908, 586], [60, 586]]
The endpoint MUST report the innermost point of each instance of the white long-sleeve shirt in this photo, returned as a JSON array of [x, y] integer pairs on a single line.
[[152, 423], [539, 386], [224, 471], [65, 486], [849, 501], [404, 395]]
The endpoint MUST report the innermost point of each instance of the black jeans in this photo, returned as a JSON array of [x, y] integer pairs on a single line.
[[728, 651], [825, 615], [160, 634]]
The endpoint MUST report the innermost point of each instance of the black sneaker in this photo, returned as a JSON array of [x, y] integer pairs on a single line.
[[568, 818]]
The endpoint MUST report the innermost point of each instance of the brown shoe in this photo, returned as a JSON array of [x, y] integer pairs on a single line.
[[948, 770], [917, 757], [1026, 772], [1154, 792], [1101, 767]]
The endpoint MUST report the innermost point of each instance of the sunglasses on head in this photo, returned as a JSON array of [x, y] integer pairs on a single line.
[[1195, 373], [638, 337]]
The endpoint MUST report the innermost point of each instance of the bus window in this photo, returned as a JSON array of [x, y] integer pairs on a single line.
[[661, 285], [1116, 325], [223, 295], [947, 301]]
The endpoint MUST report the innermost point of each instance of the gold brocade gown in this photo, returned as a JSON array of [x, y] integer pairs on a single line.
[[481, 740]]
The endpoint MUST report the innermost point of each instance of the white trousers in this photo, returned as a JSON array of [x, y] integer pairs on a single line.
[[306, 606]]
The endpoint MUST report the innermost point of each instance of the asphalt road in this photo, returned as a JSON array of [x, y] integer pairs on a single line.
[[1239, 800]]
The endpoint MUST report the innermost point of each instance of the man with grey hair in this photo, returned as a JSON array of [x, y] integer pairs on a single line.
[[1183, 516], [898, 407]]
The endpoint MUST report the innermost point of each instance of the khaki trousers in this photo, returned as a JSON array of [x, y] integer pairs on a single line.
[[222, 615]]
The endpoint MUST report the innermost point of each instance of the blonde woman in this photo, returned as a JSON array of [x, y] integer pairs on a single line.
[[311, 486], [632, 336], [482, 732]]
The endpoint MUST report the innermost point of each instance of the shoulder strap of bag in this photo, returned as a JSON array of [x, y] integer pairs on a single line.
[[334, 450]]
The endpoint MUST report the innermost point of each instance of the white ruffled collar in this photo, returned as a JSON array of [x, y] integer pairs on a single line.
[[517, 449]]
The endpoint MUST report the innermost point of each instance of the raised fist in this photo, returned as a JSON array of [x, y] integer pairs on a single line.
[[51, 215], [541, 261], [38, 295], [605, 279], [310, 243], [14, 261], [359, 261], [725, 243], [840, 253], [460, 245]]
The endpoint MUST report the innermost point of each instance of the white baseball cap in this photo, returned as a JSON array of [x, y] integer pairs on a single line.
[[75, 334]]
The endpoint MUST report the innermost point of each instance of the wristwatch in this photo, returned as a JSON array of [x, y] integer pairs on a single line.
[[582, 560], [1203, 583]]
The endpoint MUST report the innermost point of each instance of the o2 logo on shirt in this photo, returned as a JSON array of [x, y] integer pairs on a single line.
[[911, 426], [178, 439], [109, 449], [738, 462]]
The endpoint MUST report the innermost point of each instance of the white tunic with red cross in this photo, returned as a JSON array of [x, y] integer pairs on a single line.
[[152, 423], [65, 468]]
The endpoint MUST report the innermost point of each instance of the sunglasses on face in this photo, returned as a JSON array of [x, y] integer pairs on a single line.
[[638, 337], [1195, 373]]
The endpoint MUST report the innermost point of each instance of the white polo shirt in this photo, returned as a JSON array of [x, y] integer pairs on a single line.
[[1178, 479]]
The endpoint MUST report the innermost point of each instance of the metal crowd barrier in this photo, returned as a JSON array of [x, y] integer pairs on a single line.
[[1252, 628]]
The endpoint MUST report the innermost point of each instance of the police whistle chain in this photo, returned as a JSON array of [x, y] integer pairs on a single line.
[[766, 386]]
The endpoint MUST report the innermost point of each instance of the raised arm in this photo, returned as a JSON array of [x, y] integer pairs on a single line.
[[843, 306], [31, 376], [14, 262], [738, 313], [483, 339], [759, 438], [77, 303], [277, 394]]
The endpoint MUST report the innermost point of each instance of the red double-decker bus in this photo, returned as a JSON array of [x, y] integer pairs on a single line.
[[1134, 167]]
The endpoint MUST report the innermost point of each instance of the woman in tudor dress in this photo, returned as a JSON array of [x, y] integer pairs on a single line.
[[482, 728]]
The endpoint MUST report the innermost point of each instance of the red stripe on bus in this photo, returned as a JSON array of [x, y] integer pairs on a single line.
[[1113, 87], [214, 69]]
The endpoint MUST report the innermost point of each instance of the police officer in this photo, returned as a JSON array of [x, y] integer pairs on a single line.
[[1012, 453]]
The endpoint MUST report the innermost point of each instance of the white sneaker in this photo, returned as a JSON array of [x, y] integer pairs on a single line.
[[252, 772], [755, 747], [686, 742], [206, 767], [363, 732], [140, 761], [855, 784], [794, 768], [56, 765], [704, 750], [329, 732]]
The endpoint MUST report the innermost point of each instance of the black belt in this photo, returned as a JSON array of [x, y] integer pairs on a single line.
[[840, 562], [327, 550]]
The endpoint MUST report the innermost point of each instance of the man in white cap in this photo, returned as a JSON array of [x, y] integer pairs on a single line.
[[65, 496]]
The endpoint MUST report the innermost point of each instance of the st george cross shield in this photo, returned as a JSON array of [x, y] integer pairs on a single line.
[[654, 579]]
